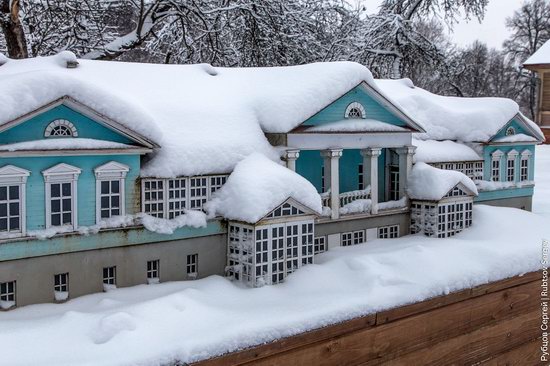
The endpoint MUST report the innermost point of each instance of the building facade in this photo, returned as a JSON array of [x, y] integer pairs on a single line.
[[81, 212]]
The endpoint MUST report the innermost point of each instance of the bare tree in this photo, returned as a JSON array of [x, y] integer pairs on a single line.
[[12, 28]]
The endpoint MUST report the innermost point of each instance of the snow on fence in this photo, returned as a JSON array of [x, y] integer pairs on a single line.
[[496, 323], [346, 197]]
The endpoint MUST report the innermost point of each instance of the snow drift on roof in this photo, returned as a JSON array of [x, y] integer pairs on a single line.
[[541, 56], [428, 183], [357, 125], [431, 151], [205, 119], [451, 118], [520, 137], [257, 186], [64, 144]]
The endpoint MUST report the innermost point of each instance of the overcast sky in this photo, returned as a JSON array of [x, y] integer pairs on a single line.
[[491, 31]]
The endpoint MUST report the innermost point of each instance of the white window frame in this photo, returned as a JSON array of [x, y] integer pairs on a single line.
[[388, 232], [192, 267], [60, 122], [158, 213], [496, 162], [511, 164], [62, 173], [199, 187], [212, 185], [320, 244], [110, 279], [8, 299], [525, 162], [355, 105], [153, 271], [111, 171], [346, 239], [11, 175]]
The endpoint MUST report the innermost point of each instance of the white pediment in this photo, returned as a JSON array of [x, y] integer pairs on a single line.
[[13, 174], [111, 169], [63, 171]]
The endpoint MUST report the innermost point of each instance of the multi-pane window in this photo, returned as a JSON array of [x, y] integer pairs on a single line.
[[394, 183], [360, 177], [61, 203], [10, 208], [177, 197], [192, 265], [473, 170], [320, 245], [153, 197], [453, 217], [262, 253], [307, 243], [61, 286], [277, 253], [216, 182], [285, 209], [495, 170], [388, 232], [198, 192], [347, 239], [153, 268], [292, 244], [524, 168], [511, 169], [110, 198], [7, 294], [358, 237], [109, 275]]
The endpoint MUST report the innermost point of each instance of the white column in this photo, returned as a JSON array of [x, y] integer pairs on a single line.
[[332, 179], [405, 166], [291, 156], [370, 174]]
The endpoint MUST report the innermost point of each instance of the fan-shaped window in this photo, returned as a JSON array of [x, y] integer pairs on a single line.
[[355, 110], [510, 131], [61, 128]]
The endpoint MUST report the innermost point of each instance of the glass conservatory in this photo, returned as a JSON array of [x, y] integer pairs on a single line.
[[446, 217], [267, 251]]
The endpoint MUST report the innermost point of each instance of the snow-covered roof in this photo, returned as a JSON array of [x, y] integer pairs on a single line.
[[205, 119], [454, 118], [357, 125], [541, 56], [64, 144], [520, 137], [432, 184], [432, 151], [257, 186]]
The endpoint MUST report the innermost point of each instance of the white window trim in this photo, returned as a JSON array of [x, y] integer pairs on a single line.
[[108, 172], [497, 156], [62, 173], [60, 122], [525, 156], [12, 175], [512, 156], [358, 106]]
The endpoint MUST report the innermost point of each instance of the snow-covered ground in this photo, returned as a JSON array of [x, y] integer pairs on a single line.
[[155, 324]]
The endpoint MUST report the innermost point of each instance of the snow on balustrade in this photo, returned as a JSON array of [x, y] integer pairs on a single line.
[[348, 197]]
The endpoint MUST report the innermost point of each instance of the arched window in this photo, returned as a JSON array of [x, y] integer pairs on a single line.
[[355, 111], [61, 128]]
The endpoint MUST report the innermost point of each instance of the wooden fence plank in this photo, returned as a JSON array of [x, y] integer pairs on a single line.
[[397, 332], [471, 348], [527, 354]]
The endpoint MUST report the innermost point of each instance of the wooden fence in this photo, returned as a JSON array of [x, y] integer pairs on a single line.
[[494, 324]]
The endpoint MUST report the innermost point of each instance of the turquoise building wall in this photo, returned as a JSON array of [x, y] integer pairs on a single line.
[[86, 184]]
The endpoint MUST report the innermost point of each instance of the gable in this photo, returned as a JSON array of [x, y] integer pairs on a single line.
[[459, 191], [39, 124], [288, 208], [375, 107], [514, 127]]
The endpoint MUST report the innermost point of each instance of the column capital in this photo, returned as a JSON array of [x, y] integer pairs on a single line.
[[331, 153], [409, 150], [292, 154], [371, 151]]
